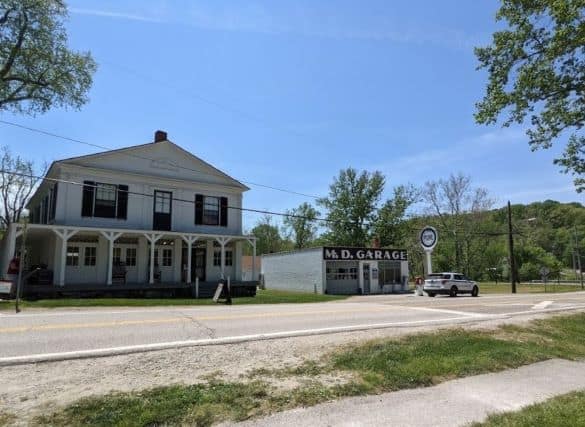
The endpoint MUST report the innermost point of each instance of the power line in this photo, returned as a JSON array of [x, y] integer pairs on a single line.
[[90, 144], [135, 193], [242, 209]]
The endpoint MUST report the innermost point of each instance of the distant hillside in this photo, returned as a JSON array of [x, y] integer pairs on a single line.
[[545, 234]]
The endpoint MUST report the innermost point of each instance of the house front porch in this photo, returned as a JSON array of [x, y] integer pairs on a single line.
[[84, 259]]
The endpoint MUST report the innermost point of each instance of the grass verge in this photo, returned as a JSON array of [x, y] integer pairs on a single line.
[[262, 297], [6, 419], [374, 367], [565, 410]]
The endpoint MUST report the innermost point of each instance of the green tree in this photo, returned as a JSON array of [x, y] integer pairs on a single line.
[[459, 209], [302, 225], [536, 70], [37, 70], [390, 225], [352, 206], [268, 238]]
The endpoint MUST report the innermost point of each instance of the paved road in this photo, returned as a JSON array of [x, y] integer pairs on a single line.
[[67, 333]]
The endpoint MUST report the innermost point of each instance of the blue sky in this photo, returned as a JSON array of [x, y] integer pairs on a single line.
[[288, 93]]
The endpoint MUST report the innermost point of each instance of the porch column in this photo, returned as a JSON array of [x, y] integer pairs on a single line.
[[189, 239], [152, 238], [110, 236], [222, 242], [9, 251], [252, 241], [65, 235]]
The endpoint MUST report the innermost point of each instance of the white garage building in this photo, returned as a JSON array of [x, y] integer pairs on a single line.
[[337, 270]]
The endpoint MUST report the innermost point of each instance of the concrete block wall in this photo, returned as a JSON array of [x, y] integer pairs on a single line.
[[300, 271]]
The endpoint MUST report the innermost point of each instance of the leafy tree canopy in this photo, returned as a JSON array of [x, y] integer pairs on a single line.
[[536, 70], [37, 70], [302, 225], [390, 226], [351, 206], [268, 238]]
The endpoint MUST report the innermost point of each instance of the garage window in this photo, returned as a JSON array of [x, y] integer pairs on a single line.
[[389, 272], [341, 271]]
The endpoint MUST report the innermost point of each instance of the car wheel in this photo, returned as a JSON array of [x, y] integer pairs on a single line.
[[475, 291], [453, 291], [431, 294]]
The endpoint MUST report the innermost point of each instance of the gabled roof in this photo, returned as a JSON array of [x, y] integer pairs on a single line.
[[129, 152], [133, 152]]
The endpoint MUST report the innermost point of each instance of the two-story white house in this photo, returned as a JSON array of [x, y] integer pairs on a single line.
[[156, 210]]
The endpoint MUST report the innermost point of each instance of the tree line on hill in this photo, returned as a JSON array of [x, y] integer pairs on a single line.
[[473, 233]]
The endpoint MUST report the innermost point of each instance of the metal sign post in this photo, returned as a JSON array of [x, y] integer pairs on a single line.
[[544, 271], [428, 240]]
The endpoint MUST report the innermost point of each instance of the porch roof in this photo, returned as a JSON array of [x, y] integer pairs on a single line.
[[69, 228]]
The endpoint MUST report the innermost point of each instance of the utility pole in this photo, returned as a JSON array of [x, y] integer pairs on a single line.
[[512, 262], [577, 255]]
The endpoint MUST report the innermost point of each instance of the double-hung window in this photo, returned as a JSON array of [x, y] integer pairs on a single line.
[[211, 210], [72, 255], [131, 257], [104, 200], [217, 257], [90, 255], [167, 257], [162, 202]]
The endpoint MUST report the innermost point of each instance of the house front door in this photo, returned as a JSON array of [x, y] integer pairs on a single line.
[[198, 269], [162, 210]]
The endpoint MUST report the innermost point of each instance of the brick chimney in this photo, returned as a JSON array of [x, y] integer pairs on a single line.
[[376, 243], [160, 135]]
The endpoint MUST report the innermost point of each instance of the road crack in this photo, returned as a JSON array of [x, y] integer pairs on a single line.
[[210, 331]]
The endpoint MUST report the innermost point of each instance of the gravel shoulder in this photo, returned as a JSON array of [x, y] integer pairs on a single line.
[[29, 390]]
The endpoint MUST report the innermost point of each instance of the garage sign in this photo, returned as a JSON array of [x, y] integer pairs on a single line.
[[428, 238], [367, 254]]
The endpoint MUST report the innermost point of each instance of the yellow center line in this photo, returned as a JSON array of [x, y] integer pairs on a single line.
[[63, 326]]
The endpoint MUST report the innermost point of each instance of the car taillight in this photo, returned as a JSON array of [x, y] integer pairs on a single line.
[[444, 282]]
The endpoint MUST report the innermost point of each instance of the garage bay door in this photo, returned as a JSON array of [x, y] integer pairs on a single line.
[[342, 277]]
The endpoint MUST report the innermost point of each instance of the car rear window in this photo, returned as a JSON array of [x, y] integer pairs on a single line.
[[438, 276]]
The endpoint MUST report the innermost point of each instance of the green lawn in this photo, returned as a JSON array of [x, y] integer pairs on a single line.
[[262, 297], [374, 367], [561, 411]]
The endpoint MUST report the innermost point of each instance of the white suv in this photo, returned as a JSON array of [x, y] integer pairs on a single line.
[[449, 284]]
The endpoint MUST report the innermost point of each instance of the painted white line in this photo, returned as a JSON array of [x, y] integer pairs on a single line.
[[546, 310], [172, 308], [542, 305], [446, 311], [141, 348]]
